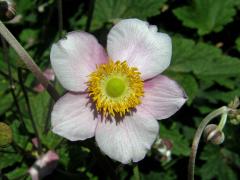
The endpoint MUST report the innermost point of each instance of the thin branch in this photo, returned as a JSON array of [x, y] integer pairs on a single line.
[[20, 76], [60, 18], [10, 152], [47, 122], [90, 15], [14, 80], [28, 61], [11, 82], [198, 135]]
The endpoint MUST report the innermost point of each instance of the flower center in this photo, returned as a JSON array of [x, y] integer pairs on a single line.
[[115, 88]]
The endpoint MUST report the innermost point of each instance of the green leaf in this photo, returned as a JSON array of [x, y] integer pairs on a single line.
[[28, 37], [216, 165], [5, 102], [206, 15], [198, 66], [18, 172], [237, 42], [225, 97], [168, 175], [18, 138], [40, 105], [180, 143], [106, 11], [8, 157], [204, 60]]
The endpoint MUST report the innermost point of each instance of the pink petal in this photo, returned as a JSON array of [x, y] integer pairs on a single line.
[[129, 139], [162, 97], [141, 46], [74, 58], [73, 118]]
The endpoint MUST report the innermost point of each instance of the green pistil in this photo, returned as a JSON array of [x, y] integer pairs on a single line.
[[115, 87]]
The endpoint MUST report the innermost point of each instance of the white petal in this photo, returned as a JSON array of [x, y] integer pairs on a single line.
[[162, 97], [141, 46], [127, 140], [73, 118], [74, 58]]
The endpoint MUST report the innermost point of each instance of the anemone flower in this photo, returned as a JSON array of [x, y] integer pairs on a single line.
[[115, 96]]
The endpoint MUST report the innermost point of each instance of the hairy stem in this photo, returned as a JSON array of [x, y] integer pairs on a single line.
[[198, 134], [28, 61], [222, 121]]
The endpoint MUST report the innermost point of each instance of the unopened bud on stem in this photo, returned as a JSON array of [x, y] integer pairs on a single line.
[[213, 134], [7, 10]]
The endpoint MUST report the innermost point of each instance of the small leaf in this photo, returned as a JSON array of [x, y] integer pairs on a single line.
[[9, 157], [18, 172], [206, 15]]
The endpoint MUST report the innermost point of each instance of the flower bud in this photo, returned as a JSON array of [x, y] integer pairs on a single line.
[[44, 165], [7, 10], [49, 74], [163, 147], [5, 134], [213, 134]]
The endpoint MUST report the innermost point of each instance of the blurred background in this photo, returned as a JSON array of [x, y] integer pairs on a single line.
[[205, 62]]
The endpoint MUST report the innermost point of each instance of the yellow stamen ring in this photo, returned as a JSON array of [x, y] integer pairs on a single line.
[[115, 88]]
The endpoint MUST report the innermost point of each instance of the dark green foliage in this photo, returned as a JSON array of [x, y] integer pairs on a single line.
[[206, 15]]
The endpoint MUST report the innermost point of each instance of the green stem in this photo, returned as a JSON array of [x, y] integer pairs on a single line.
[[136, 174], [222, 121], [28, 61], [29, 110], [11, 82], [90, 15], [198, 134]]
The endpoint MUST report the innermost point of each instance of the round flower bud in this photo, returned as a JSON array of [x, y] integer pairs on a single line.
[[7, 10], [213, 134], [5, 134]]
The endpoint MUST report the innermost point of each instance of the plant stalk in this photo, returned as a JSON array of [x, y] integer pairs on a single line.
[[198, 134]]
